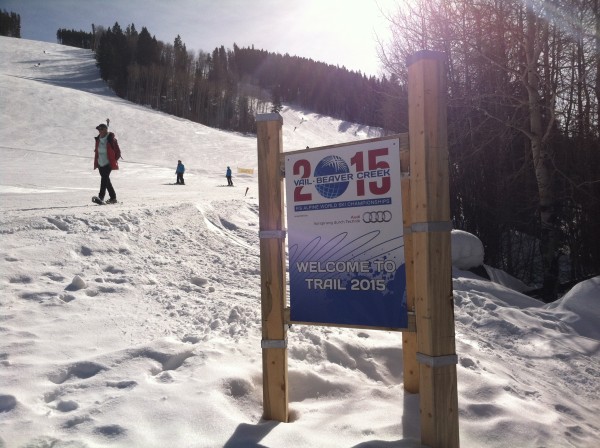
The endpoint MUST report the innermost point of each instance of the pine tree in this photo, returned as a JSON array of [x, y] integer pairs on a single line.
[[10, 24], [276, 99]]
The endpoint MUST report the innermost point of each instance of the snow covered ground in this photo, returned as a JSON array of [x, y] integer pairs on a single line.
[[138, 324]]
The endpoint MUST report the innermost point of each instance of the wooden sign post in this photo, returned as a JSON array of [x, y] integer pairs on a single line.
[[431, 227], [430, 357], [272, 266], [409, 338]]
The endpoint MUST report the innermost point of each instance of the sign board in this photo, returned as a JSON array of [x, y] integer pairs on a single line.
[[345, 235]]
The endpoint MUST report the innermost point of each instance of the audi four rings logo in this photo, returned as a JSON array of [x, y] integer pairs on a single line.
[[382, 216]]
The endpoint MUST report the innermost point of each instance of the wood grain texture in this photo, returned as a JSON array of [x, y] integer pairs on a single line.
[[430, 202], [409, 339], [272, 266]]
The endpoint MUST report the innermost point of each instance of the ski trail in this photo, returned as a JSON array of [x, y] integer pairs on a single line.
[[216, 229]]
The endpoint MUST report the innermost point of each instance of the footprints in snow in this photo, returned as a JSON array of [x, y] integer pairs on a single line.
[[44, 289], [81, 370], [86, 389], [21, 278], [235, 220], [110, 430], [55, 277], [125, 384], [238, 387], [7, 403], [66, 406], [41, 287], [100, 223]]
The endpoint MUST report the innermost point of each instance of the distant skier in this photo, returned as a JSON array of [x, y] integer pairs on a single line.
[[179, 171], [105, 159], [228, 176]]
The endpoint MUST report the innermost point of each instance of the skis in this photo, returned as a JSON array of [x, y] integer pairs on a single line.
[[97, 200]]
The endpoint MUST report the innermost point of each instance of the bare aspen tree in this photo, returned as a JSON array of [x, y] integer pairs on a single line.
[[523, 88]]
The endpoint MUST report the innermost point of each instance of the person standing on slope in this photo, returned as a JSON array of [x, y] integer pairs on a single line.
[[179, 171], [105, 160], [228, 176]]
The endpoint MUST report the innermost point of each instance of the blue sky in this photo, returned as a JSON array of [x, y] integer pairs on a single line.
[[339, 32]]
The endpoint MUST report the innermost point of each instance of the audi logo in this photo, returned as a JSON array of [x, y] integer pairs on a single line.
[[382, 216]]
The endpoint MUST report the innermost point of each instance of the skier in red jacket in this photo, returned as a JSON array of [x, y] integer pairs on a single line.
[[105, 159]]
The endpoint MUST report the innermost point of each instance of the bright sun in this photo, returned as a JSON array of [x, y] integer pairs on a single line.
[[345, 31]]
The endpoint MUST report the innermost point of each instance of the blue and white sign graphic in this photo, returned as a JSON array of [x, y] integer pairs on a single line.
[[345, 235], [332, 167]]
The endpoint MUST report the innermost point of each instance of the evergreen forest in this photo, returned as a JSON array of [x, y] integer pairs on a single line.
[[72, 38], [10, 24], [228, 87]]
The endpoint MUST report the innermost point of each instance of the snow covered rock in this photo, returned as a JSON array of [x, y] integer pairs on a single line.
[[198, 281], [467, 250], [77, 284]]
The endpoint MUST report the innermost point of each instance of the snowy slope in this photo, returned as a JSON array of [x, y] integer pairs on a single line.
[[138, 325]]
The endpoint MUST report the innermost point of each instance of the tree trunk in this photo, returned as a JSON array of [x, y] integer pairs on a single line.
[[543, 166]]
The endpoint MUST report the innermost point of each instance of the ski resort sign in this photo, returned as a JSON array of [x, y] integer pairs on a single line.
[[345, 235]]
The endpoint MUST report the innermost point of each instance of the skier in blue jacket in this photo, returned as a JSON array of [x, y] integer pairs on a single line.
[[179, 171], [228, 176]]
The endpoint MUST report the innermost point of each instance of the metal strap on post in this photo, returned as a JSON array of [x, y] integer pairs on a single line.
[[273, 343], [282, 167], [269, 117], [437, 361], [277, 234], [434, 226]]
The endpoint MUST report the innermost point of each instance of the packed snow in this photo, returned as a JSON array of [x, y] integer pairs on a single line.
[[138, 324]]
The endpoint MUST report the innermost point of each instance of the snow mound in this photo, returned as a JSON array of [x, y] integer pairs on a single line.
[[467, 250], [504, 278], [581, 308]]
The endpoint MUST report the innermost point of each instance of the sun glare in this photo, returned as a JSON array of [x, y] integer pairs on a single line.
[[343, 31]]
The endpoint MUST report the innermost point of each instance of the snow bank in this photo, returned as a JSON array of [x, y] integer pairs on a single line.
[[467, 250], [581, 308]]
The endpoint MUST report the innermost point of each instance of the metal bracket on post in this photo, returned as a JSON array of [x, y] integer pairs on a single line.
[[437, 361], [269, 117], [276, 234], [434, 226], [282, 167], [273, 343]]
